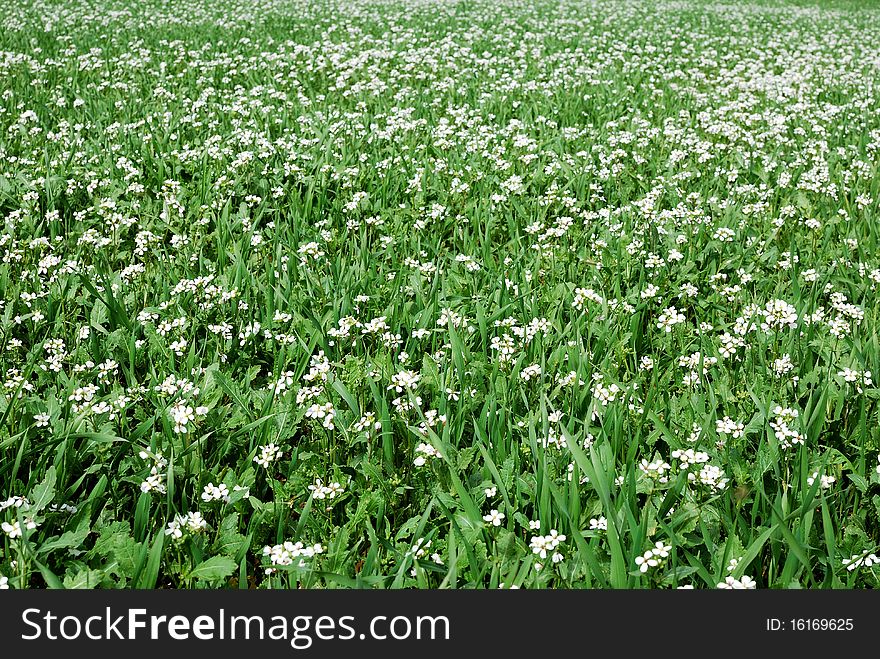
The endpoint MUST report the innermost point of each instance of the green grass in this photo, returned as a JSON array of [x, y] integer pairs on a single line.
[[379, 269]]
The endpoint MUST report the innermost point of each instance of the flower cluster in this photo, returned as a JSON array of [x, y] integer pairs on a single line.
[[653, 557], [425, 452], [191, 523], [744, 583], [267, 455], [155, 481], [783, 420], [866, 559], [384, 261], [547, 545], [329, 491], [288, 552]]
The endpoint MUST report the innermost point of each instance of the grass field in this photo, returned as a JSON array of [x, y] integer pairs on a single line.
[[438, 294]]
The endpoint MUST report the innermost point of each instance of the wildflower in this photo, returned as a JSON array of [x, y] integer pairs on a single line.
[[778, 314], [321, 491], [825, 482], [669, 318], [12, 530], [494, 518], [730, 583], [182, 414], [544, 545], [324, 413], [653, 557], [583, 295], [420, 548], [213, 492], [860, 560], [727, 426], [267, 455], [286, 553], [174, 528], [530, 372], [425, 451], [404, 381], [656, 470]]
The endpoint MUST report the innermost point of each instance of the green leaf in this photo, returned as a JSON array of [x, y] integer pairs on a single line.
[[84, 579], [346, 396], [52, 581], [150, 575], [216, 567], [752, 552], [859, 481], [69, 539], [42, 495]]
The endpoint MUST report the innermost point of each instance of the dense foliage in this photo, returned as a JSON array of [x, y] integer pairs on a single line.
[[424, 293]]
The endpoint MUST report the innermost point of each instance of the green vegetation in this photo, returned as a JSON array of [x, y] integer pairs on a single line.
[[437, 294]]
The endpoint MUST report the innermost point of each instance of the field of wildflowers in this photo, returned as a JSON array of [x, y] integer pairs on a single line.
[[439, 294]]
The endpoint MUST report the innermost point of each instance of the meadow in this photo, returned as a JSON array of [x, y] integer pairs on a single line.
[[439, 294]]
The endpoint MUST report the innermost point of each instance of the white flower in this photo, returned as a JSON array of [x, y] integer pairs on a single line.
[[321, 491], [542, 545], [190, 522], [286, 552], [182, 414], [653, 557], [195, 522], [784, 418], [711, 476], [420, 548], [494, 517], [669, 318], [647, 561], [689, 457], [582, 295], [213, 492], [325, 413], [404, 381], [15, 502], [12, 530], [860, 560], [728, 426], [530, 372], [425, 451], [4, 583], [825, 482], [174, 528], [154, 482], [656, 469], [778, 314], [267, 455], [724, 234], [730, 583]]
